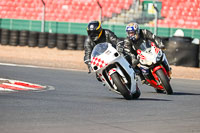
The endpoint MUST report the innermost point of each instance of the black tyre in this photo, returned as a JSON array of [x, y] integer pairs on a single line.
[[42, 39], [80, 42], [52, 39], [14, 37], [33, 39], [23, 38], [137, 94], [61, 45], [165, 81], [61, 41], [71, 46], [5, 35], [121, 87]]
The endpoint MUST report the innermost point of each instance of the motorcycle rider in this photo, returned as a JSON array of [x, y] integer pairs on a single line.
[[135, 36], [96, 34]]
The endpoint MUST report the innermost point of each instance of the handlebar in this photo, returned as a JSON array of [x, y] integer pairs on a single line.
[[120, 42]]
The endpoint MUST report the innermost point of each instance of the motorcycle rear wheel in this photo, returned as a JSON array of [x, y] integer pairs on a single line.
[[165, 81], [122, 88]]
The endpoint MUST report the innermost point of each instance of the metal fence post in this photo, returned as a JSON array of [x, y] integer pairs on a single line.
[[43, 17], [156, 19], [100, 16]]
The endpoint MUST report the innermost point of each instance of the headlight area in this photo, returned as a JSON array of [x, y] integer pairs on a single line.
[[116, 54], [149, 63]]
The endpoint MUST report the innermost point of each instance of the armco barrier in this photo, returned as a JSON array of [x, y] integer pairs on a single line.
[[181, 52]]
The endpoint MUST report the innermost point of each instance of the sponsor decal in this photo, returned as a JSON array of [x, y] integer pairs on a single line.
[[8, 85]]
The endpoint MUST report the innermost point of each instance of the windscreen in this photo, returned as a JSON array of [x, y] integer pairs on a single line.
[[99, 49], [144, 46]]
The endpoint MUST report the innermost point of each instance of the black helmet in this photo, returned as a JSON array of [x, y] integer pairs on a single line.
[[94, 30]]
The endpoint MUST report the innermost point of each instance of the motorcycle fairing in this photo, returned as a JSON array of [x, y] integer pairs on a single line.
[[153, 82], [105, 62]]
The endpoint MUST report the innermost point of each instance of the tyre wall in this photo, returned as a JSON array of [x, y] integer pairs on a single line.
[[42, 39], [180, 51]]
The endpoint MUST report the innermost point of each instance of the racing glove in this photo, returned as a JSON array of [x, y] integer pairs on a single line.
[[135, 62], [89, 67], [120, 47]]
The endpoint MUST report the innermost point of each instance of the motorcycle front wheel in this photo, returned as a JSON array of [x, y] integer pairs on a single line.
[[165, 81], [122, 88]]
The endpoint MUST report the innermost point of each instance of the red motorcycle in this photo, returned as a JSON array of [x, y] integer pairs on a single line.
[[155, 67]]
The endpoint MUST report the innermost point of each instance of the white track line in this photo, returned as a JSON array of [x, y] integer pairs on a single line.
[[32, 66]]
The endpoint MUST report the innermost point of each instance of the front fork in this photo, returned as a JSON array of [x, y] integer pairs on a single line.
[[113, 70], [166, 66], [106, 77]]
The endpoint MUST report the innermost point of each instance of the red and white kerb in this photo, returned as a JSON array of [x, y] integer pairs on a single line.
[[14, 85]]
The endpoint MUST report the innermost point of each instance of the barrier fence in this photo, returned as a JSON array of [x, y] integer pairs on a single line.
[[80, 28]]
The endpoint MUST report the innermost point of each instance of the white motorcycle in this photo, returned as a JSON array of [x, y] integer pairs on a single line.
[[114, 71], [153, 68]]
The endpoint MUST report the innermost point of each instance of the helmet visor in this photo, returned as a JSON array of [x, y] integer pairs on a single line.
[[93, 33], [131, 33]]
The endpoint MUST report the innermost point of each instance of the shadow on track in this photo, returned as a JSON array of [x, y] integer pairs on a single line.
[[143, 99], [185, 93], [153, 99]]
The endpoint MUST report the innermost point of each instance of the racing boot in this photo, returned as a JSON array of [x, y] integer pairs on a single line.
[[170, 72], [143, 80], [139, 73]]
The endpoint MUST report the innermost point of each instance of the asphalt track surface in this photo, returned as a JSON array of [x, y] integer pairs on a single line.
[[80, 104]]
